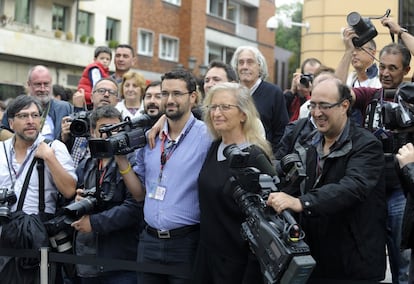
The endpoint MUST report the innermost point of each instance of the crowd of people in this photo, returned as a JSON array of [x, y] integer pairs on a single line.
[[167, 202]]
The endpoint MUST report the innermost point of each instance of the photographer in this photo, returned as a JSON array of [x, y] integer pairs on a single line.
[[223, 256], [21, 176], [405, 157], [300, 90], [105, 92], [394, 64], [112, 228], [342, 207]]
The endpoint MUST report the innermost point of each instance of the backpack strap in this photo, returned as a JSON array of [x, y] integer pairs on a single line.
[[296, 131]]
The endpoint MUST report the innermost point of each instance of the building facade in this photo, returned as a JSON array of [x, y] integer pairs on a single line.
[[326, 18], [62, 34]]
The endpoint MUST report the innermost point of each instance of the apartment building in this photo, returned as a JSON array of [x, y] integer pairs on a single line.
[[61, 34], [190, 33], [166, 34]]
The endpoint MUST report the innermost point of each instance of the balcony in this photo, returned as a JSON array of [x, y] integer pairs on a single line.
[[246, 32], [31, 42]]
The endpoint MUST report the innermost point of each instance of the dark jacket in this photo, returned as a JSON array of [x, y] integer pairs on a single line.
[[270, 104], [407, 182], [344, 214], [117, 222]]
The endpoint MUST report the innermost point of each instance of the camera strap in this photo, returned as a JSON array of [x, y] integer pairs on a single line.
[[26, 184], [41, 178]]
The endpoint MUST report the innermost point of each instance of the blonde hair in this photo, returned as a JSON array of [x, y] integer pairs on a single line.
[[246, 105], [139, 80]]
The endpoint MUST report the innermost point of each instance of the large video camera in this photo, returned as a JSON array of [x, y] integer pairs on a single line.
[[275, 239], [79, 126], [130, 136], [400, 113], [7, 198]]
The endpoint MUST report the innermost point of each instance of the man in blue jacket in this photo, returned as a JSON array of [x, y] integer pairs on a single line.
[[39, 83]]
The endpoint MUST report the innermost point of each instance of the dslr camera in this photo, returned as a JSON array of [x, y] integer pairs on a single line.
[[59, 229], [363, 27], [80, 124], [130, 136], [305, 79], [7, 198], [275, 239]]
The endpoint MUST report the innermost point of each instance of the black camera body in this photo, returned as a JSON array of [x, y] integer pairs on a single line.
[[131, 137], [79, 126], [306, 79], [59, 228], [275, 239], [363, 27], [7, 198]]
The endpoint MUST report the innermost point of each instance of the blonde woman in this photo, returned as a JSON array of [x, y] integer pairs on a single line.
[[132, 91]]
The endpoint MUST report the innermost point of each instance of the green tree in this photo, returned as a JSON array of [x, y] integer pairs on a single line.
[[290, 38]]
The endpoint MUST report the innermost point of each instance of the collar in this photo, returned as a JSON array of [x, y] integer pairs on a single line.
[[166, 133], [318, 140], [255, 86]]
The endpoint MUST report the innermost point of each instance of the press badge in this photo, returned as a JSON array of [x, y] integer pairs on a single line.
[[160, 193], [156, 192]]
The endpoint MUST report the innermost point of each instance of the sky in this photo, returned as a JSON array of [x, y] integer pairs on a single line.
[[282, 2]]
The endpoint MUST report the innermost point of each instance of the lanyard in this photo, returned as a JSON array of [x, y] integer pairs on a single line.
[[166, 156], [10, 165]]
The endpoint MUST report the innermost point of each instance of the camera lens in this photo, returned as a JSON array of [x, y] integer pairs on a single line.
[[79, 127], [353, 18]]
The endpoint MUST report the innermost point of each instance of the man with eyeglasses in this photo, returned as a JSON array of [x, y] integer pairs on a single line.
[[16, 157], [342, 200], [39, 85], [105, 92], [394, 64], [168, 175]]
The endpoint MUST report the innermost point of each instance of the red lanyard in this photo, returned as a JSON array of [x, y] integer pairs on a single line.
[[166, 156]]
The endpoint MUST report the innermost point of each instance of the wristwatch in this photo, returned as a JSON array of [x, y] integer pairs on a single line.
[[402, 30]]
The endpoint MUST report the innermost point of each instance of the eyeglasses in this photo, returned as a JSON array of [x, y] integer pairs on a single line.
[[102, 91], [323, 106], [38, 85], [25, 116], [221, 107], [175, 94]]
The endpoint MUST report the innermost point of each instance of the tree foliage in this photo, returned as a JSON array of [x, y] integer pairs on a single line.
[[290, 38]]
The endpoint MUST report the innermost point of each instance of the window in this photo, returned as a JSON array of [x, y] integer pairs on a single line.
[[59, 15], [217, 8], [175, 2], [145, 42], [84, 23], [220, 53], [112, 29], [168, 48], [407, 15], [22, 12]]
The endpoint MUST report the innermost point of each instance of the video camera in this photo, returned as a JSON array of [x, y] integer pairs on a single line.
[[80, 124], [305, 79], [275, 239], [7, 198], [130, 136], [399, 114]]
